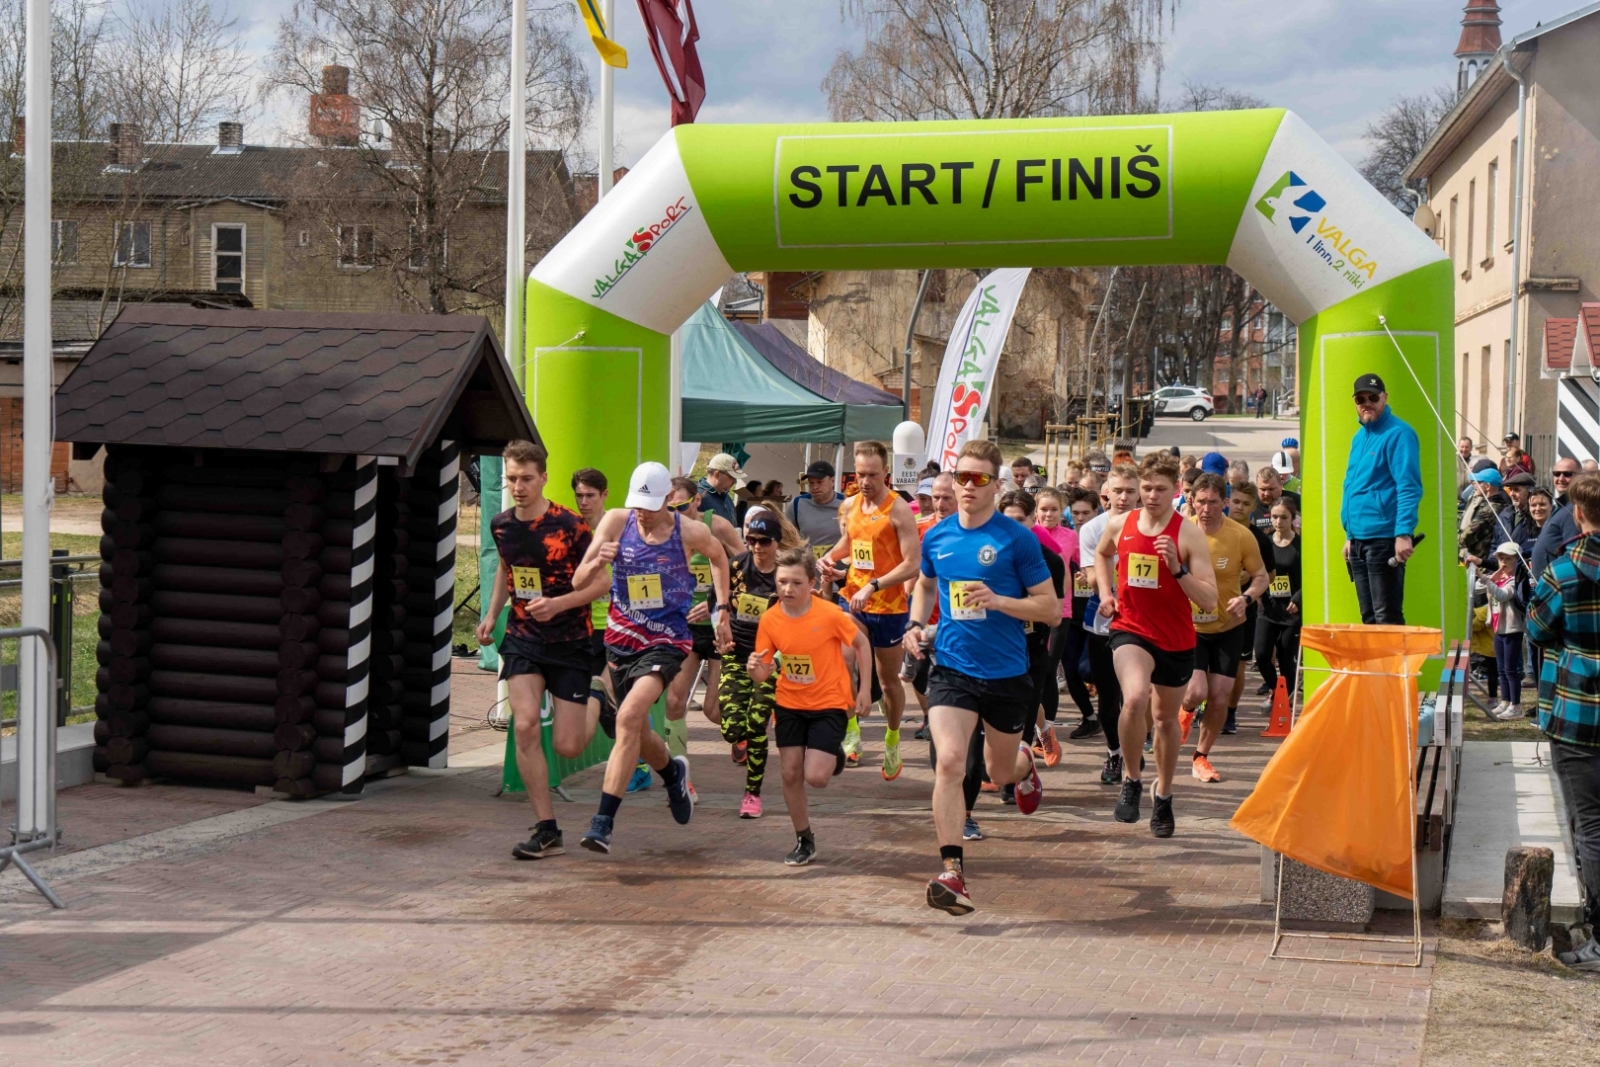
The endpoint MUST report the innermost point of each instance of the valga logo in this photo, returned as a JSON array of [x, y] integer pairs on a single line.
[[639, 245], [967, 392], [1327, 239]]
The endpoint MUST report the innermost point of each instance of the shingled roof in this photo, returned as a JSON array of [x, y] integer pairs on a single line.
[[289, 381]]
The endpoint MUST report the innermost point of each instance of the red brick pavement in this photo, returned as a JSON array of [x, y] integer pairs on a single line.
[[398, 930]]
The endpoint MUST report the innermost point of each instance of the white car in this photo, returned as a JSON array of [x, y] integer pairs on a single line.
[[1187, 400]]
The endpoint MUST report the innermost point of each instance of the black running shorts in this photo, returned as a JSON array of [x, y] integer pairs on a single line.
[[566, 667], [662, 661], [1221, 653], [821, 730], [705, 642], [1004, 704], [1173, 669]]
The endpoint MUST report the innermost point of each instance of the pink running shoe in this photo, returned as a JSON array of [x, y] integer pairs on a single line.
[[750, 807], [1030, 790]]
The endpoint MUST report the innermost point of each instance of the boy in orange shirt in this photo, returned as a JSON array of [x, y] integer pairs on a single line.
[[814, 693]]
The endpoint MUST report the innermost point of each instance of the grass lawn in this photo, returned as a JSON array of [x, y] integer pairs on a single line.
[[85, 618]]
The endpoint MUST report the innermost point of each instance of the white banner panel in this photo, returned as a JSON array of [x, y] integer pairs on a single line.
[[966, 378]]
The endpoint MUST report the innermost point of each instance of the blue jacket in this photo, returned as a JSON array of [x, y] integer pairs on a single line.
[[1560, 530], [724, 504], [1383, 481]]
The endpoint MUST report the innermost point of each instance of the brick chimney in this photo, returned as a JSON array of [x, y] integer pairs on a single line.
[[335, 115], [1480, 40], [19, 135], [405, 144], [230, 136], [127, 144]]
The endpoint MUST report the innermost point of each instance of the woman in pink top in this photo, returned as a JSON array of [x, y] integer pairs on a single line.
[[1066, 640]]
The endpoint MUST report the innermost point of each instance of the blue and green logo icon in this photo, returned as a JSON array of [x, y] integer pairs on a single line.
[[1307, 202]]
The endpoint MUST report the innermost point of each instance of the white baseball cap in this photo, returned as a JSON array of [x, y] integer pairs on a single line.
[[725, 463], [649, 486]]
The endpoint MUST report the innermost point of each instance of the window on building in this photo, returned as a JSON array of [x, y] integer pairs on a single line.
[[64, 241], [357, 246], [1511, 210], [1490, 204], [418, 259], [1484, 374], [133, 244], [1472, 208], [1450, 235], [227, 259]]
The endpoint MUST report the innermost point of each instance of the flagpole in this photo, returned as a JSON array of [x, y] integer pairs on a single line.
[[607, 102], [516, 236]]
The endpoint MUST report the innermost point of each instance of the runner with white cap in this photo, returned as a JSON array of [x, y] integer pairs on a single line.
[[647, 634]]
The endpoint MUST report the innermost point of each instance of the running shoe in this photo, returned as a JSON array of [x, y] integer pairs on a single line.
[[1038, 745], [1185, 724], [1087, 728], [921, 734], [892, 765], [598, 839], [1030, 791], [948, 892], [1231, 724], [678, 798], [1161, 821], [1111, 769], [852, 742], [1127, 809], [740, 752], [1052, 747], [641, 779], [1201, 768], [1585, 953], [540, 844], [971, 831], [1149, 742], [1265, 689], [750, 807], [804, 848], [1008, 794], [693, 794], [988, 787]]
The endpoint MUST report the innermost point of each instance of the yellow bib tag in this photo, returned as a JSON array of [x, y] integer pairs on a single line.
[[798, 669], [1143, 572], [526, 583], [749, 607], [1201, 616], [1280, 587], [702, 577], [818, 551], [959, 608], [644, 591], [1081, 584], [861, 555]]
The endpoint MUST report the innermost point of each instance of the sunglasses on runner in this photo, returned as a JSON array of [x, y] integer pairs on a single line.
[[682, 505], [977, 478], [755, 542]]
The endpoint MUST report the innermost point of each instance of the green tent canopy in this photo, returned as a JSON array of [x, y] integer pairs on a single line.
[[732, 393]]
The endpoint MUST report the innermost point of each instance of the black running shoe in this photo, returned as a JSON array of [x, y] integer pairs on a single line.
[[541, 844], [1008, 794], [598, 839], [804, 848], [679, 800], [921, 734], [1231, 726], [1161, 822], [1128, 803], [1111, 770], [1086, 728], [1266, 688]]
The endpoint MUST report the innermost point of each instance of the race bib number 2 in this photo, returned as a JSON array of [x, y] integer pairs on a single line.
[[1143, 572], [960, 608], [644, 591], [526, 583]]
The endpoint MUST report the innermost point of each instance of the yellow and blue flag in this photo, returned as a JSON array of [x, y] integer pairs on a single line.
[[611, 53]]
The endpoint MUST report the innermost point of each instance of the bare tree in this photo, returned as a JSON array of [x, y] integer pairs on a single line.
[[960, 59], [79, 93], [1397, 136], [434, 74], [177, 68]]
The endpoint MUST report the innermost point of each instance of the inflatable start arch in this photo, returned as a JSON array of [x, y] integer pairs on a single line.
[[1256, 190]]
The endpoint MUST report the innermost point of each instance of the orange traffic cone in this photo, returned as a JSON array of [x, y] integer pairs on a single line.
[[1278, 725]]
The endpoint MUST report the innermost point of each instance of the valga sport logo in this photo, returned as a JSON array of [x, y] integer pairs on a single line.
[[1303, 206], [639, 245]]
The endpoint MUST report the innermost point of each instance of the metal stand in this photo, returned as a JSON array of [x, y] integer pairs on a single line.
[[42, 833], [1415, 940], [13, 854]]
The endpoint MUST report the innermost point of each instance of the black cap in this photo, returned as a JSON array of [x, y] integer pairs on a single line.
[[1370, 383], [1522, 477], [819, 468], [1511, 435], [766, 526]]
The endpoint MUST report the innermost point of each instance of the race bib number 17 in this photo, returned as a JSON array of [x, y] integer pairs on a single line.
[[1143, 572]]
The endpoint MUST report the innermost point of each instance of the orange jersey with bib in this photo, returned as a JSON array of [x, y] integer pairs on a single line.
[[874, 552]]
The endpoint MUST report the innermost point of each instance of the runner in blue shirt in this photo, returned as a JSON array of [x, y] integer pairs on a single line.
[[989, 577]]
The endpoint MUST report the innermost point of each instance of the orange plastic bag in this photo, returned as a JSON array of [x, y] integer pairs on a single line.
[[1337, 794]]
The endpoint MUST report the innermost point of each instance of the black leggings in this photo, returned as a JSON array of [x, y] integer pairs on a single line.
[[1066, 648], [1105, 680], [1280, 640]]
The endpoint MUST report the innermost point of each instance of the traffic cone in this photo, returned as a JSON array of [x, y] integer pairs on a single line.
[[1278, 725]]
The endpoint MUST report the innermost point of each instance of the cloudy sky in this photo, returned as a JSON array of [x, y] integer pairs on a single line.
[[1336, 62]]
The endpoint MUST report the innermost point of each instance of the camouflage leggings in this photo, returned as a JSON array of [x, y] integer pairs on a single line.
[[746, 710]]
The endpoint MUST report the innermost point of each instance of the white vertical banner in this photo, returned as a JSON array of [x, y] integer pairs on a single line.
[[966, 378]]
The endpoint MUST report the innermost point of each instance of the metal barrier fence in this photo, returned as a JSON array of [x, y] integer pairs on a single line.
[[66, 572], [34, 828]]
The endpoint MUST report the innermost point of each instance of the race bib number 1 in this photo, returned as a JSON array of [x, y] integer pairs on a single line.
[[960, 609], [526, 583], [1280, 587], [798, 669], [861, 555], [644, 591], [1143, 572]]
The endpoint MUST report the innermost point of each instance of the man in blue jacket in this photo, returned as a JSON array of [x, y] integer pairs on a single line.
[[1382, 494]]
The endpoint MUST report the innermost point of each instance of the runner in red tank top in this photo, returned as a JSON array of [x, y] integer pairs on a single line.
[[1162, 563]]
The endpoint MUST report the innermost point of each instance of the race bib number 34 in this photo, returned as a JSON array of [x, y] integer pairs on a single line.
[[526, 583], [644, 591], [798, 669], [1143, 572], [861, 555], [960, 608]]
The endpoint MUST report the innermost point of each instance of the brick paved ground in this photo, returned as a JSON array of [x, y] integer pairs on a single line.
[[398, 930]]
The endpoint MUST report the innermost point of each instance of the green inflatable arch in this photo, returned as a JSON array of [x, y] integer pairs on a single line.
[[1256, 190]]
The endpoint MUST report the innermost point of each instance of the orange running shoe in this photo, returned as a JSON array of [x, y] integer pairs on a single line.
[[1186, 723], [1202, 769], [1052, 748], [988, 787]]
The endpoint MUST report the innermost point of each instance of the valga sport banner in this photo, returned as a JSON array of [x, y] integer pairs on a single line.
[[966, 377]]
